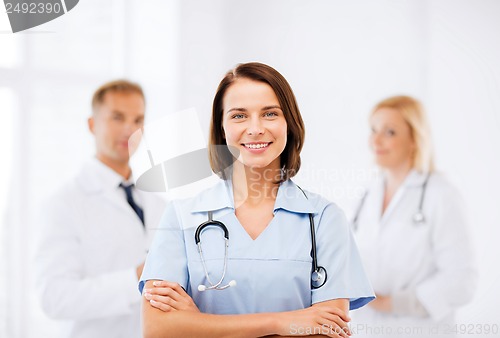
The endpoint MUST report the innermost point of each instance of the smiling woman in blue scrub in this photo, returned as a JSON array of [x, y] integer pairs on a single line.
[[411, 230], [255, 254]]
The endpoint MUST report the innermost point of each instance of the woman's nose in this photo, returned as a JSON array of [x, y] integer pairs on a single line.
[[255, 126], [375, 138]]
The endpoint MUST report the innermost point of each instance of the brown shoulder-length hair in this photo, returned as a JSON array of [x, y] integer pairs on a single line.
[[219, 155]]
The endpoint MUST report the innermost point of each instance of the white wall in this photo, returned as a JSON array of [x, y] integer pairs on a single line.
[[339, 56], [464, 107]]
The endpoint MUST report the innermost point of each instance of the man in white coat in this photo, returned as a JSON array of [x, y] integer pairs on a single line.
[[96, 229]]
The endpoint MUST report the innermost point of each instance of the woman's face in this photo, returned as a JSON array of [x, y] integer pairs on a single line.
[[254, 124], [391, 140]]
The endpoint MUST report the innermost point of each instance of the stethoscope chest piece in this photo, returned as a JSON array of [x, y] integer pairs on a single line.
[[318, 277], [418, 218]]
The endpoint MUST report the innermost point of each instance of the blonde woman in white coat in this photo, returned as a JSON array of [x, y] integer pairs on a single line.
[[411, 231]]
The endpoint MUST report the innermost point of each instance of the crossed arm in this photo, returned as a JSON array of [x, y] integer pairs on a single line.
[[167, 310]]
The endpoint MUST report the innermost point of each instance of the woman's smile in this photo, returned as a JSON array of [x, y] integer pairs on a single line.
[[254, 123]]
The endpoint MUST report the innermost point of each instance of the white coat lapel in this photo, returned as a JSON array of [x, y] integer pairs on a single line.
[[412, 179], [120, 203], [396, 199], [96, 180], [378, 198]]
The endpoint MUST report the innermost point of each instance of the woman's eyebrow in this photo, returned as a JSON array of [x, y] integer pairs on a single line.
[[271, 107], [236, 109], [391, 126], [263, 108]]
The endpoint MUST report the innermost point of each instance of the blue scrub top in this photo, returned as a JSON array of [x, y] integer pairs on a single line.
[[273, 272]]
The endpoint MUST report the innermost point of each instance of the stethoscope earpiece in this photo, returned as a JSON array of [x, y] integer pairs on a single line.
[[202, 288]]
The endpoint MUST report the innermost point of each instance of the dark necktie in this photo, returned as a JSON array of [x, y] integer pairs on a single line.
[[131, 202]]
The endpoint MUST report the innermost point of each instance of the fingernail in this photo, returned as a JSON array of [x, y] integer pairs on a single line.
[[147, 296], [156, 283], [147, 290]]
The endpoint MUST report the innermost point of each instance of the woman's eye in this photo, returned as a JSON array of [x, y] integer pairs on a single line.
[[237, 116], [270, 114], [390, 132]]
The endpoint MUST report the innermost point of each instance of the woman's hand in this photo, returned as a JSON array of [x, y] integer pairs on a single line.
[[382, 303], [168, 296], [324, 319]]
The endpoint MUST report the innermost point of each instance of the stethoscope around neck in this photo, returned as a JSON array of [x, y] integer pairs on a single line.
[[318, 273], [197, 235], [418, 217]]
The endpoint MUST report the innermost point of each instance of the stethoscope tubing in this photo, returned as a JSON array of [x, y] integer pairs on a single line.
[[417, 218], [210, 222], [224, 269], [197, 239]]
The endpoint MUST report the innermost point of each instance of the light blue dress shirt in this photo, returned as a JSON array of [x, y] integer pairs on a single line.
[[273, 272]]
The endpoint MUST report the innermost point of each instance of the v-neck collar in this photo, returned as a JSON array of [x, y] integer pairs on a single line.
[[220, 196]]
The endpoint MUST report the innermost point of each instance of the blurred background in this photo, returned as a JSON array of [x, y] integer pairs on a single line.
[[340, 57]]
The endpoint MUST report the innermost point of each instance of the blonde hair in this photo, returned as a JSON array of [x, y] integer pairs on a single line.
[[413, 113]]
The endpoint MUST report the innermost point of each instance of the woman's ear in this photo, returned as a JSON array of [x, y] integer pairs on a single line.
[[413, 144]]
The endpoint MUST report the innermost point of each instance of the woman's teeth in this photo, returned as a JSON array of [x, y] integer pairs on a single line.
[[256, 146]]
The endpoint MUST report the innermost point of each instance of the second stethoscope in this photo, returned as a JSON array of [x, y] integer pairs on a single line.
[[418, 217], [318, 273]]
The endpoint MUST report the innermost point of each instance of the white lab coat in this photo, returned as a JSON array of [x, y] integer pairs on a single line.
[[428, 269], [91, 242]]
